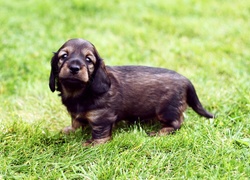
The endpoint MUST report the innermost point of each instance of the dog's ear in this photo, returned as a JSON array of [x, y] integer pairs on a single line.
[[53, 73], [100, 81]]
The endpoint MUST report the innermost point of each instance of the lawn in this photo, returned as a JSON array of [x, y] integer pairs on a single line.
[[207, 41]]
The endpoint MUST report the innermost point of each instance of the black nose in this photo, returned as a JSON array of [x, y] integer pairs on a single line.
[[74, 68]]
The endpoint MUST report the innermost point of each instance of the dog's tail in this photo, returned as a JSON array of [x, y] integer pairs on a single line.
[[194, 102]]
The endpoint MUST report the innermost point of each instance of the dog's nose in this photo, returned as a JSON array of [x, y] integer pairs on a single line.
[[74, 68]]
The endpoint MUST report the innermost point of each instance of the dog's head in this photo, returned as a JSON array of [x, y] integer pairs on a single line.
[[77, 66]]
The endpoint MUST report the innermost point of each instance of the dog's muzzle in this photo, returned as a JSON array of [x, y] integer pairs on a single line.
[[75, 66]]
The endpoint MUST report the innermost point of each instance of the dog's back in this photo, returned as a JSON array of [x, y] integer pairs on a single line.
[[146, 89], [149, 88]]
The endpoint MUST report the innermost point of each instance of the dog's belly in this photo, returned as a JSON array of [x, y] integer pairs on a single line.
[[135, 114]]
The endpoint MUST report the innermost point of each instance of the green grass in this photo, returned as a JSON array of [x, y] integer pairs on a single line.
[[207, 41]]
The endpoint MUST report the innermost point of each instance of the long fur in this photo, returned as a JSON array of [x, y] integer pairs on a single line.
[[101, 95]]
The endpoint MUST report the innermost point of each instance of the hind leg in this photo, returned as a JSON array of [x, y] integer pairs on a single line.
[[170, 126], [171, 118]]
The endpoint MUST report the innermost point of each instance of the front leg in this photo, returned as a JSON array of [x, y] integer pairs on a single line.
[[76, 123], [100, 134], [101, 122]]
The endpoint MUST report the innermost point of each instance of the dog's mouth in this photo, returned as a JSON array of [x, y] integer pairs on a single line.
[[73, 83], [71, 80]]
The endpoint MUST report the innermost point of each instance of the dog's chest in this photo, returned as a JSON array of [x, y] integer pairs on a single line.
[[78, 112], [77, 105], [84, 110]]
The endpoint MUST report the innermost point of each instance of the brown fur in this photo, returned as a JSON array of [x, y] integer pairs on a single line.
[[101, 95]]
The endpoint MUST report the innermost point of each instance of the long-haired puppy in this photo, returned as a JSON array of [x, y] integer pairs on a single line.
[[101, 95]]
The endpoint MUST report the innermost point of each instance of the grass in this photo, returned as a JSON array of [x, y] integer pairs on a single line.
[[207, 41]]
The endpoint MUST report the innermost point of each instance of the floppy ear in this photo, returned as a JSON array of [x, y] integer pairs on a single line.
[[100, 82], [53, 73]]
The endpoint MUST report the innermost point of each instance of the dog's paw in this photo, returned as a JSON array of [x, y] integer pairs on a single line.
[[93, 142], [68, 130], [162, 132]]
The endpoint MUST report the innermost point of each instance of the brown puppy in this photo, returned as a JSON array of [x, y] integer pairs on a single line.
[[101, 95]]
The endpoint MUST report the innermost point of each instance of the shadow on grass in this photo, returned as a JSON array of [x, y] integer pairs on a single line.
[[20, 134]]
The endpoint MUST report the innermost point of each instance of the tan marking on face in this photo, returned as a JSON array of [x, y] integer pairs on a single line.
[[91, 68], [64, 71], [82, 75], [87, 52], [66, 50]]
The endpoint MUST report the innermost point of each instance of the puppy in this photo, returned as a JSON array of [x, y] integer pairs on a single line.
[[101, 95]]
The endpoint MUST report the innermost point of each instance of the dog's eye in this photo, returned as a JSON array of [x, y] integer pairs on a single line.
[[64, 56], [88, 60]]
